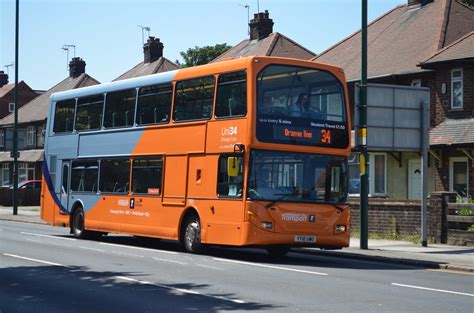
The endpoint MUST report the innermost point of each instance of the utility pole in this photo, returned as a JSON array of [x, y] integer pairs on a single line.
[[362, 136], [15, 132]]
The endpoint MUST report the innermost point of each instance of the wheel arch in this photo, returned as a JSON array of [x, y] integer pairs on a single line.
[[76, 205], [190, 210]]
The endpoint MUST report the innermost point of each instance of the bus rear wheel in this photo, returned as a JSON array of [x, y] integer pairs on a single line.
[[78, 228], [192, 234]]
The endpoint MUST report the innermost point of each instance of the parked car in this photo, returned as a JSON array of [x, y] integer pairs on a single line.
[[354, 186], [28, 184], [28, 193]]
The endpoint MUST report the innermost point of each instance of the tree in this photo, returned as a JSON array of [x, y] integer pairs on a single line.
[[201, 55]]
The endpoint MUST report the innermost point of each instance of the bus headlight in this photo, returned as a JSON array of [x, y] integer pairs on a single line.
[[340, 229]]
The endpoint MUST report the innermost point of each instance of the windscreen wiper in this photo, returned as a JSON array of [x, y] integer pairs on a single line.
[[283, 196]]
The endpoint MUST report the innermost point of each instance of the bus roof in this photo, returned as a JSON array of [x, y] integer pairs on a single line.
[[159, 78]]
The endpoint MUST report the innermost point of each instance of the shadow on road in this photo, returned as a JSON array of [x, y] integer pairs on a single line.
[[78, 289], [315, 258]]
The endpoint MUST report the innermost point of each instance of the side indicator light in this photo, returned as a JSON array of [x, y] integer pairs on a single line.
[[251, 215]]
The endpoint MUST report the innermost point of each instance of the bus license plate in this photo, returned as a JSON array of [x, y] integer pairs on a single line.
[[310, 239]]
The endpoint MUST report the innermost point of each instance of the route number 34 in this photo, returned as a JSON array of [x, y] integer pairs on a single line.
[[326, 136]]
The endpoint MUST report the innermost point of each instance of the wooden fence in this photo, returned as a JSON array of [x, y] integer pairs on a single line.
[[460, 220]]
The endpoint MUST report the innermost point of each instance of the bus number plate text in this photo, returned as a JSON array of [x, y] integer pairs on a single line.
[[308, 239]]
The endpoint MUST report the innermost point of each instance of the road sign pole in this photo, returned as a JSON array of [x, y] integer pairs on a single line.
[[362, 133], [15, 132], [425, 131]]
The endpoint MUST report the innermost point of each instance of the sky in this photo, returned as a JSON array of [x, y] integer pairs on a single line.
[[107, 36]]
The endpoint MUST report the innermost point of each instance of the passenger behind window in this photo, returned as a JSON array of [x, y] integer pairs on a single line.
[[301, 105], [267, 107], [235, 102]]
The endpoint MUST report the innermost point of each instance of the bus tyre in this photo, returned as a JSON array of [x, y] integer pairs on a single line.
[[192, 234], [278, 251], [78, 229]]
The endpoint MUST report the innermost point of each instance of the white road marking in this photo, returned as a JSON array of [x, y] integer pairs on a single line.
[[209, 267], [93, 249], [127, 254], [35, 241], [186, 291], [171, 261], [137, 248], [33, 260], [437, 290], [271, 266], [47, 236]]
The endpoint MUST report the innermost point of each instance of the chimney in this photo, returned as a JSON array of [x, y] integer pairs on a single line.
[[152, 50], [77, 66], [418, 2], [3, 79], [260, 26]]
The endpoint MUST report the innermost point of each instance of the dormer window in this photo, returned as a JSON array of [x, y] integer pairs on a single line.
[[456, 89]]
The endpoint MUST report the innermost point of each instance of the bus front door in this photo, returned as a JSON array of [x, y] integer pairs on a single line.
[[64, 193]]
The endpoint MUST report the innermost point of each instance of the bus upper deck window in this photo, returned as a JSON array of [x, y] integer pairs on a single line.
[[193, 99], [89, 112], [120, 108], [232, 94], [64, 116]]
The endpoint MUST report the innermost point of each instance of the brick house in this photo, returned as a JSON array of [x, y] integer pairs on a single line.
[[153, 61], [7, 94], [452, 134], [264, 42], [31, 123], [424, 43]]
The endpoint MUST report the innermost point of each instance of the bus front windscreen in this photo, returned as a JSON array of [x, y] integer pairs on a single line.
[[297, 177], [301, 106]]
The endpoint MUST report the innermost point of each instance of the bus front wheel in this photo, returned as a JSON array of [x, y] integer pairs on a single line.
[[192, 234]]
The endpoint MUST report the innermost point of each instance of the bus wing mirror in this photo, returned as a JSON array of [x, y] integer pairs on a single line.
[[233, 166]]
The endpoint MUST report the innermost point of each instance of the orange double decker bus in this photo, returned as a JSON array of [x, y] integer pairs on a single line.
[[245, 152]]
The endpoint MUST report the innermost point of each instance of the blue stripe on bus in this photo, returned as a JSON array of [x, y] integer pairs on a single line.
[[49, 183]]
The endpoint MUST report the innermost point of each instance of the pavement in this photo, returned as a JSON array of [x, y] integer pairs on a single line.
[[434, 256]]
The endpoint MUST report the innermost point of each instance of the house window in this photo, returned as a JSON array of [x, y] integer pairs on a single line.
[[31, 136], [458, 176], [377, 171], [354, 174], [456, 89], [2, 138], [378, 166], [5, 174], [416, 83], [26, 171], [40, 136]]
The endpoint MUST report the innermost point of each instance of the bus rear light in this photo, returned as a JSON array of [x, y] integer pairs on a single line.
[[267, 225], [340, 229]]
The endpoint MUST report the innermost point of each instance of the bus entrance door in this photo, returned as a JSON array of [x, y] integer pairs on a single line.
[[64, 193]]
